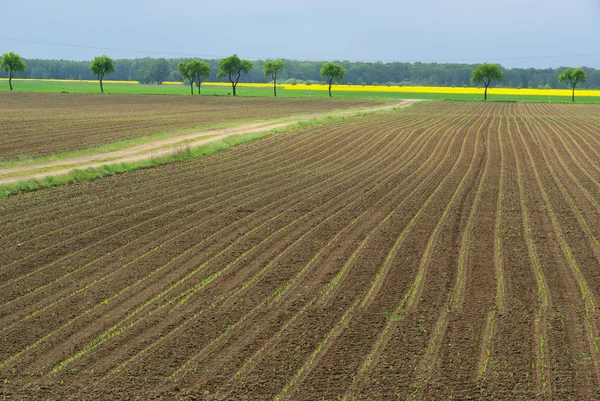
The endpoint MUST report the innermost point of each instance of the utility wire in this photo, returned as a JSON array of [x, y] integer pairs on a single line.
[[260, 58]]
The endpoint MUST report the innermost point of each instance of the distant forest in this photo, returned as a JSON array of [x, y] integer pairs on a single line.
[[150, 70]]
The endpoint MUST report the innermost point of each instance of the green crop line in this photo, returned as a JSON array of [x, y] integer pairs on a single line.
[[185, 295], [93, 173], [88, 174], [417, 284], [370, 358], [434, 342], [466, 240], [94, 261], [326, 292], [276, 295], [542, 288], [122, 325], [585, 293], [499, 296], [384, 268], [171, 196], [258, 353], [330, 337]]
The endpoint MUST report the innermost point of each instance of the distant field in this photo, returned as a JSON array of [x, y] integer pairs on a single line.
[[449, 251], [42, 124], [315, 90]]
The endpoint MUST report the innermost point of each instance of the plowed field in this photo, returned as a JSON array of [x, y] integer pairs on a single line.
[[42, 124], [448, 251]]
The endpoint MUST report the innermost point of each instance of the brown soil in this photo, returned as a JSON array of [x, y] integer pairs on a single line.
[[42, 124], [450, 251], [163, 147]]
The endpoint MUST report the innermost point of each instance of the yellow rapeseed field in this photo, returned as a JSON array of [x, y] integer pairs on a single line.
[[411, 89], [365, 88], [442, 89]]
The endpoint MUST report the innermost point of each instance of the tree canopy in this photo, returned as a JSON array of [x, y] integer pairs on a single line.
[[486, 73], [357, 73], [12, 63], [272, 68], [233, 67], [333, 72], [572, 77], [161, 71], [100, 66], [194, 71]]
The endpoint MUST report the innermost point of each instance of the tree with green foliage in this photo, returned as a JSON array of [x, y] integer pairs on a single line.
[[333, 72], [12, 63], [233, 67], [572, 77], [100, 66], [160, 70], [273, 68], [194, 71], [486, 73]]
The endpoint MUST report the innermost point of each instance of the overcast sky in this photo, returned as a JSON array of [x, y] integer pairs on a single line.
[[514, 33]]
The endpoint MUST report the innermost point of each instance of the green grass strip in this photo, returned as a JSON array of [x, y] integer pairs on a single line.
[[92, 173]]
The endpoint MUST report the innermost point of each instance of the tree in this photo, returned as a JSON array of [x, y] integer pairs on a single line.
[[194, 71], [273, 68], [160, 70], [572, 77], [12, 63], [333, 72], [232, 67], [100, 66], [486, 73]]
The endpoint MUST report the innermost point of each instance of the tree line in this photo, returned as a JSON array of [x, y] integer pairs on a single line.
[[233, 67], [150, 70]]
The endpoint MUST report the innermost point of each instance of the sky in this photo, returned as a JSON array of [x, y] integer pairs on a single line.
[[514, 33]]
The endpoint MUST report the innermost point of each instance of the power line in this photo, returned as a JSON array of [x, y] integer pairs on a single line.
[[259, 58], [103, 48]]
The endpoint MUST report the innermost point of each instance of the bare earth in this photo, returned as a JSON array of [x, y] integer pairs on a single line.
[[450, 251], [166, 146]]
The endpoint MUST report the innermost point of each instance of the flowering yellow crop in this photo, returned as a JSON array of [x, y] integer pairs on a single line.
[[361, 88], [441, 89]]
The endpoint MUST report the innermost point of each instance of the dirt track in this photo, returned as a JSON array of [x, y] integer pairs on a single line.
[[33, 125], [449, 250], [162, 147]]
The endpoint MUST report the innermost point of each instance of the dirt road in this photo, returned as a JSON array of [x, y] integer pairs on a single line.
[[162, 147]]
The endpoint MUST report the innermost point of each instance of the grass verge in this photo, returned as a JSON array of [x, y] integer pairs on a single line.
[[88, 174], [179, 154]]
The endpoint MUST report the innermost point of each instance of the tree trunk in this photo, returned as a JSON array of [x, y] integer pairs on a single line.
[[192, 87], [10, 82], [234, 85], [199, 85], [573, 95], [485, 93], [330, 82], [274, 85], [101, 88]]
